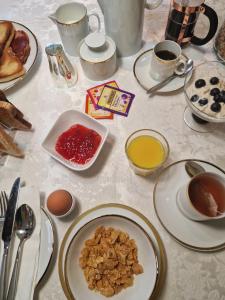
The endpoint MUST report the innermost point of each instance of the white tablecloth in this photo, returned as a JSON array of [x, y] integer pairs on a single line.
[[191, 275]]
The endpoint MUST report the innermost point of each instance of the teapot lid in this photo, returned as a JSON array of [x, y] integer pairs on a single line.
[[97, 47]]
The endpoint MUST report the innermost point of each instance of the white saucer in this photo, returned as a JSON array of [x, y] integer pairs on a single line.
[[200, 236], [141, 70]]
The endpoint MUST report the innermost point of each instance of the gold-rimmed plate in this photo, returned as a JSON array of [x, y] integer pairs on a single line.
[[30, 60], [126, 214], [144, 283], [205, 236]]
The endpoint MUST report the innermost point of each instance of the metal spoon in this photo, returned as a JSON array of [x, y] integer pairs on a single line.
[[193, 168], [181, 70], [25, 224]]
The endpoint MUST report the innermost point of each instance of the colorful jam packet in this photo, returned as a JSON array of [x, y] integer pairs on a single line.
[[115, 100], [95, 92], [96, 113]]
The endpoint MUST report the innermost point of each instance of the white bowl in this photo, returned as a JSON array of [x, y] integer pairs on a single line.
[[63, 123]]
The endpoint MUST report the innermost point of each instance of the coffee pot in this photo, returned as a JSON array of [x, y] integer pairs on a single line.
[[182, 19], [124, 22]]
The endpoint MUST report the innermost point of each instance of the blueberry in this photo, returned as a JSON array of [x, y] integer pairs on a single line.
[[222, 96], [203, 101], [222, 93], [194, 98], [216, 107], [200, 83], [214, 91], [217, 98], [214, 80]]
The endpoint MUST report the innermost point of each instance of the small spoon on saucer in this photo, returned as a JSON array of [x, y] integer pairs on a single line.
[[193, 168], [181, 70], [25, 224]]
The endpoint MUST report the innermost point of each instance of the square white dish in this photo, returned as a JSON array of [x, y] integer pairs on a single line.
[[63, 123]]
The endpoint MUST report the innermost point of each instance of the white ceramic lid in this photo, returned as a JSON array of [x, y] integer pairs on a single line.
[[97, 47]]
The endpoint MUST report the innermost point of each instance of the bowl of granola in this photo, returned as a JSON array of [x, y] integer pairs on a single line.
[[111, 256], [205, 92]]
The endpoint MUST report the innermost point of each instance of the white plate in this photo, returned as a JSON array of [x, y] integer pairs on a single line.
[[30, 60], [201, 236], [64, 122], [115, 211], [46, 245], [141, 70], [75, 279]]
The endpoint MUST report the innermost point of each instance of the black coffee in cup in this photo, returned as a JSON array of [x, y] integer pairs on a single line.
[[166, 55]]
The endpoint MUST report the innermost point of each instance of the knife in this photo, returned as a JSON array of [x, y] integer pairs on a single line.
[[7, 234]]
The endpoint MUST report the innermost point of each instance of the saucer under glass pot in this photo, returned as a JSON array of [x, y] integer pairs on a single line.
[[205, 96]]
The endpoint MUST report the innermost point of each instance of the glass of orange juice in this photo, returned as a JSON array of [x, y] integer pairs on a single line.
[[147, 150]]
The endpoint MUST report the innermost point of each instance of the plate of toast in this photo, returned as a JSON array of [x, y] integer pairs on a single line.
[[18, 53]]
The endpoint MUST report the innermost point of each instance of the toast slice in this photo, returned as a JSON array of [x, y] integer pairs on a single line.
[[8, 146], [12, 117], [7, 32], [10, 66]]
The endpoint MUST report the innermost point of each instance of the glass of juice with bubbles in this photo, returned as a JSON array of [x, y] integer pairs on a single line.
[[147, 150]]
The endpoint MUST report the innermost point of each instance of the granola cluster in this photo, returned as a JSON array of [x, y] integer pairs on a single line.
[[109, 261]]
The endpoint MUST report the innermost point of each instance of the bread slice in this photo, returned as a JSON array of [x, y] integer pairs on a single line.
[[8, 146], [7, 32], [11, 117], [10, 66]]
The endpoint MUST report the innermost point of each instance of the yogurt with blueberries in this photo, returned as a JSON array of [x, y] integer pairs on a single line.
[[208, 95]]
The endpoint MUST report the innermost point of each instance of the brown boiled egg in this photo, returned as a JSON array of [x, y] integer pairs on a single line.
[[60, 202]]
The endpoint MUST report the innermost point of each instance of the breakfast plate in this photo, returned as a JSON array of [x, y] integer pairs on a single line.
[[65, 121], [200, 236], [30, 60], [46, 245], [141, 71], [138, 227]]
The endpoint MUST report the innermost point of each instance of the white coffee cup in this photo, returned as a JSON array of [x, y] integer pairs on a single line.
[[185, 197], [161, 68], [72, 21]]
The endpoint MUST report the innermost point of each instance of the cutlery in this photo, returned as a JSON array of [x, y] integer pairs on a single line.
[[24, 225], [3, 205], [193, 168], [181, 70], [7, 234]]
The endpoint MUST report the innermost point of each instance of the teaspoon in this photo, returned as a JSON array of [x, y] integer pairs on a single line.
[[181, 71], [193, 168], [25, 224]]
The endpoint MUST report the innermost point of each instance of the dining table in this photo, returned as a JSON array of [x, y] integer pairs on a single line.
[[190, 275]]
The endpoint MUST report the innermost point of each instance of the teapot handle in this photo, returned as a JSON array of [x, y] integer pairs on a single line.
[[98, 20], [213, 20], [153, 5]]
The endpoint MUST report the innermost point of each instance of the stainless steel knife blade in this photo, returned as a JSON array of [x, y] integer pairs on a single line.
[[7, 234]]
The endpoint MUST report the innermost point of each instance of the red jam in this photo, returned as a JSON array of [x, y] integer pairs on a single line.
[[78, 144]]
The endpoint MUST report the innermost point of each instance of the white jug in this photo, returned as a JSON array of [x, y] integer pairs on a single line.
[[72, 22], [124, 22]]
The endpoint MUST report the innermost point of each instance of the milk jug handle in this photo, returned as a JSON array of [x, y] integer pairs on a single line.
[[98, 20], [153, 4]]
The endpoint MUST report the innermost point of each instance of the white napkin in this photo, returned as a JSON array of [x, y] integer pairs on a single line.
[[30, 253]]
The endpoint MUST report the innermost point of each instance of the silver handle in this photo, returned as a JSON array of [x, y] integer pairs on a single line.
[[15, 273], [3, 275], [153, 5], [161, 84]]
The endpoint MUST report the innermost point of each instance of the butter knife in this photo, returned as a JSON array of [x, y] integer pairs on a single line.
[[7, 234]]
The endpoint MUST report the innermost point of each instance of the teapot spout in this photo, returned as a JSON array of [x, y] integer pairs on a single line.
[[53, 18], [101, 3]]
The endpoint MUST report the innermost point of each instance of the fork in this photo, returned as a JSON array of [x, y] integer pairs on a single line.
[[3, 205]]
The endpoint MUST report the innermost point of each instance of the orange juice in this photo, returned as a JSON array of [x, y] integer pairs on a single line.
[[146, 152]]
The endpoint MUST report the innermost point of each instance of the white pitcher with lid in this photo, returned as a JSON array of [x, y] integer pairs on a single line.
[[124, 22]]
